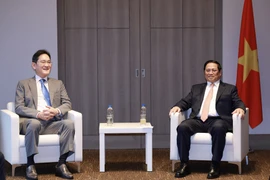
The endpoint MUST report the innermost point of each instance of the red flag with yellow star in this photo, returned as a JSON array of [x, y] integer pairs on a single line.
[[248, 76]]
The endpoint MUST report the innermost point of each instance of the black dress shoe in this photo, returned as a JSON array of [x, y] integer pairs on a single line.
[[31, 173], [214, 172], [63, 172], [183, 171]]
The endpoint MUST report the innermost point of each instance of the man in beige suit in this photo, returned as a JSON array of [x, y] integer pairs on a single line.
[[42, 103]]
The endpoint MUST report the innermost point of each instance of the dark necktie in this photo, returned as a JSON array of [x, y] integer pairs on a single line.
[[45, 92]]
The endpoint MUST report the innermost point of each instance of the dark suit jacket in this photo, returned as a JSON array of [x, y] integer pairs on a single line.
[[227, 100]]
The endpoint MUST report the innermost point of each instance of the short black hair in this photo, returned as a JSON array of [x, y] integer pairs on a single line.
[[212, 61], [38, 53]]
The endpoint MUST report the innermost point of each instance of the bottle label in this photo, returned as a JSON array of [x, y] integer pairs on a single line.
[[143, 121], [109, 120]]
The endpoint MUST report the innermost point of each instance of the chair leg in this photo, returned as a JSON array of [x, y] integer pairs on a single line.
[[173, 164], [239, 167], [78, 166], [13, 166], [239, 164]]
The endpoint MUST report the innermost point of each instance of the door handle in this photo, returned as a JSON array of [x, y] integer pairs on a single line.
[[137, 73], [143, 73]]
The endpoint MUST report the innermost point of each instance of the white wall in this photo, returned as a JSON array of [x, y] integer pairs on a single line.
[[232, 14], [25, 27]]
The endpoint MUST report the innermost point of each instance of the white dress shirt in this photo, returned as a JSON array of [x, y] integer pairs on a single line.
[[41, 105]]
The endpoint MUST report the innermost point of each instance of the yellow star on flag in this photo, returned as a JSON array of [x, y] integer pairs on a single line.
[[249, 60]]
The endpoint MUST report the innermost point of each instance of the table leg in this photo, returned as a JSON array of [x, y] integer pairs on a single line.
[[102, 152], [148, 150]]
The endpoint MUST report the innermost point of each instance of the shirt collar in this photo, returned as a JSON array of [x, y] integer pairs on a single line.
[[215, 83], [38, 78]]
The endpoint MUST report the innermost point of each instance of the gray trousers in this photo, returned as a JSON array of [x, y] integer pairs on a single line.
[[32, 128]]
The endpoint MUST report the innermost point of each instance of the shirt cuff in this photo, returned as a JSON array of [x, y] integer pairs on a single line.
[[37, 115], [59, 112]]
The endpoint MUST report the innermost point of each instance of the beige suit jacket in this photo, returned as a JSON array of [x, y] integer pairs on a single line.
[[26, 97]]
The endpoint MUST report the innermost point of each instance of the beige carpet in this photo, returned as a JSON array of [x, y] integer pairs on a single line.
[[129, 165]]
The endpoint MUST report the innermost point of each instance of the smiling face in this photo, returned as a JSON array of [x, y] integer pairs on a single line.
[[212, 73], [42, 66]]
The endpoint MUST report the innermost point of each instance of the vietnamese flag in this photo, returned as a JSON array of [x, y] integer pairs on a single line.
[[248, 76]]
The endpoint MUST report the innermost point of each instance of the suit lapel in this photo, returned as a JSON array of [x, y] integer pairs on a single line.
[[33, 89], [202, 91], [220, 90], [51, 89]]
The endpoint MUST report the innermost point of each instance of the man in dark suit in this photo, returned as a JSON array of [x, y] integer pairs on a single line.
[[212, 104], [42, 102]]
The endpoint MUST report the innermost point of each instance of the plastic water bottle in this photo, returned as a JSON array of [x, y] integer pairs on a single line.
[[110, 115], [143, 115]]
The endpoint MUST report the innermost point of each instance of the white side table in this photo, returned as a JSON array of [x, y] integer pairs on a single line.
[[126, 128]]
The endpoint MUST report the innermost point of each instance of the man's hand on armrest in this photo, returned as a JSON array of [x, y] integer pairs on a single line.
[[239, 112], [174, 110]]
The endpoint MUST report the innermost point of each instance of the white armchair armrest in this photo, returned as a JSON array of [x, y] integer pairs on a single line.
[[176, 119], [240, 136], [77, 119], [9, 135]]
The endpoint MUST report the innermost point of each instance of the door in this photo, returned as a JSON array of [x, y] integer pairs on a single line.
[[132, 52]]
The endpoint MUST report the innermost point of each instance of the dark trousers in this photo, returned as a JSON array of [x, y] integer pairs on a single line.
[[213, 125], [2, 167]]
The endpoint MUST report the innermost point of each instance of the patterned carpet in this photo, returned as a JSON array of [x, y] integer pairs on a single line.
[[129, 165]]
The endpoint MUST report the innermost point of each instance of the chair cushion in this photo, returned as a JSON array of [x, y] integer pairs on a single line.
[[44, 140], [205, 138]]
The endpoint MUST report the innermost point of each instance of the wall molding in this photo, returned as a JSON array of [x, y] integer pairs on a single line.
[[259, 141]]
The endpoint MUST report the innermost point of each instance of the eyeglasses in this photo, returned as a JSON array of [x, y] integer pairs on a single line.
[[43, 62]]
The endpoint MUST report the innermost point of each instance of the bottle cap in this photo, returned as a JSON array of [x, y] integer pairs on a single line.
[[109, 105], [143, 105]]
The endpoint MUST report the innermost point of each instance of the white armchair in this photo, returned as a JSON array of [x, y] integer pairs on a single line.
[[236, 148], [12, 142]]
